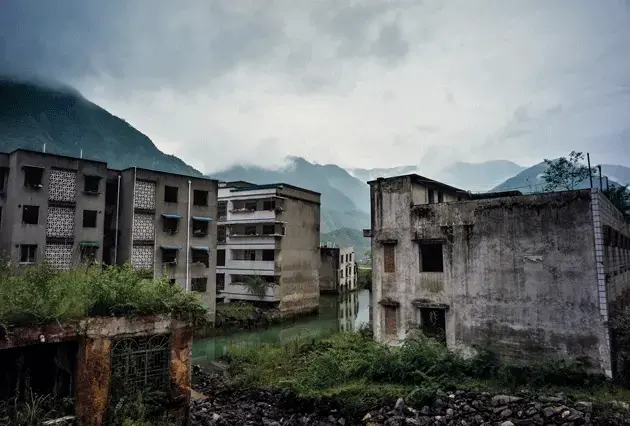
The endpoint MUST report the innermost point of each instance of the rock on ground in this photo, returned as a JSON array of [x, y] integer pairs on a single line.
[[227, 407]]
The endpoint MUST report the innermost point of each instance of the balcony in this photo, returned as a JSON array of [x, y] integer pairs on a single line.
[[252, 265]]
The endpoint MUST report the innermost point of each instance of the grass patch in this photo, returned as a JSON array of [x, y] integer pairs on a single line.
[[41, 294], [362, 373]]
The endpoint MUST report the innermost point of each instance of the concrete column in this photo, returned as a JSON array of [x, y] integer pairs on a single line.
[[93, 377], [180, 368]]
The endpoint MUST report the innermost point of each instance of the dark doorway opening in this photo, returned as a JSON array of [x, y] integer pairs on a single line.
[[433, 323]]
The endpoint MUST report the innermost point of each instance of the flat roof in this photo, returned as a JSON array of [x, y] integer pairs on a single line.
[[281, 185], [202, 177], [50, 154], [416, 178]]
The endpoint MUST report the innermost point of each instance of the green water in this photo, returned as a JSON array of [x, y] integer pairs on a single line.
[[336, 313]]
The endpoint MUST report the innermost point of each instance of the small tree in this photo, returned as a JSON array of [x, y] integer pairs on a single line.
[[565, 173], [619, 196], [257, 285]]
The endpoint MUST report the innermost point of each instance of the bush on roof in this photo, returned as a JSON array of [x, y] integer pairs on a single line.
[[41, 294]]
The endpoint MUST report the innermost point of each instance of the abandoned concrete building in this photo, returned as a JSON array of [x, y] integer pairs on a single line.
[[338, 271], [535, 276], [67, 211], [269, 232]]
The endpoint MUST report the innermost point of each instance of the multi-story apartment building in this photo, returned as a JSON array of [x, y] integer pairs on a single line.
[[167, 225], [534, 276], [269, 233], [338, 271], [51, 208], [66, 211]]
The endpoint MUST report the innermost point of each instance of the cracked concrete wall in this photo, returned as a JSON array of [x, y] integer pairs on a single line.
[[519, 272]]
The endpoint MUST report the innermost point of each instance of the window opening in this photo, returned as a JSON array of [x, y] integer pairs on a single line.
[[222, 210], [221, 257], [27, 253], [431, 259], [170, 225], [269, 229], [91, 184], [220, 282], [199, 284], [200, 198], [431, 196], [269, 205], [200, 227], [30, 215], [170, 194], [89, 218], [433, 323], [268, 255], [33, 177], [169, 256], [201, 256]]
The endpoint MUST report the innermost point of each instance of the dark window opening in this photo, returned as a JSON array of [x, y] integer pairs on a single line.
[[221, 233], [269, 229], [28, 253], [220, 282], [33, 177], [440, 197], [431, 259], [89, 218], [431, 196], [433, 323], [222, 210], [199, 284], [220, 257], [88, 254], [170, 225], [171, 281], [250, 206], [200, 227], [271, 279], [200, 198], [201, 256], [30, 215], [250, 230], [42, 369], [268, 255], [170, 194], [389, 258], [269, 205], [169, 256], [91, 184]]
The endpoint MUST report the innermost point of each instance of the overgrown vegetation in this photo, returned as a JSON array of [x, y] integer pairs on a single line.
[[257, 285], [364, 280], [41, 294], [565, 174], [619, 196], [362, 373]]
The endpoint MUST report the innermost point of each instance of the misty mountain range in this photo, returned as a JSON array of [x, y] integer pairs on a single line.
[[32, 115]]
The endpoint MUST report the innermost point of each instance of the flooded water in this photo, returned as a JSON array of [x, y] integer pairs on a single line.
[[345, 312]]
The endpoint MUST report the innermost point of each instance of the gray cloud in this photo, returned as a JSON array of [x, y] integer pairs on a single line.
[[340, 81]]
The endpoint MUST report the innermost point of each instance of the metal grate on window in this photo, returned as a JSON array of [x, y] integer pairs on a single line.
[[138, 364]]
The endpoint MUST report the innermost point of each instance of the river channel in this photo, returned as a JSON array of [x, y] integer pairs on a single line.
[[344, 312]]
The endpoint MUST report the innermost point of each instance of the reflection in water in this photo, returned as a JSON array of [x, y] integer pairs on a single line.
[[346, 312]]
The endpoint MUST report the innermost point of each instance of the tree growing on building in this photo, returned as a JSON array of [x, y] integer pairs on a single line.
[[566, 173], [620, 196]]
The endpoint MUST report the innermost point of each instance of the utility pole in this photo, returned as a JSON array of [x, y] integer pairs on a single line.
[[600, 177], [590, 170]]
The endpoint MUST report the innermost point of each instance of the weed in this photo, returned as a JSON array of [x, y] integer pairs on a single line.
[[40, 294], [353, 368]]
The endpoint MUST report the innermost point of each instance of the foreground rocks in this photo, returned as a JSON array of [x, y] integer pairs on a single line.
[[226, 407]]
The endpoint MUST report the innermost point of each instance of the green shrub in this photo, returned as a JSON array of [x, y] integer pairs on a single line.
[[41, 294]]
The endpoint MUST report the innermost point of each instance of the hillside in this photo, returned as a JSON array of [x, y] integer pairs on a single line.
[[346, 237], [529, 180], [31, 115], [345, 200]]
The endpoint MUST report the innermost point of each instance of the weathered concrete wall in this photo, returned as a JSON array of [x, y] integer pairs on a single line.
[[93, 380], [299, 257], [329, 269], [519, 272]]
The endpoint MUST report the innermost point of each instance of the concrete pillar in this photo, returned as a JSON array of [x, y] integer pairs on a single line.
[[93, 377], [180, 368]]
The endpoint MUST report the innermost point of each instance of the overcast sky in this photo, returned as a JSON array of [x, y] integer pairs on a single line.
[[356, 83]]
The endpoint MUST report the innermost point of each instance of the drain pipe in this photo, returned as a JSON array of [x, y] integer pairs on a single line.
[[188, 241], [117, 222], [133, 213]]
